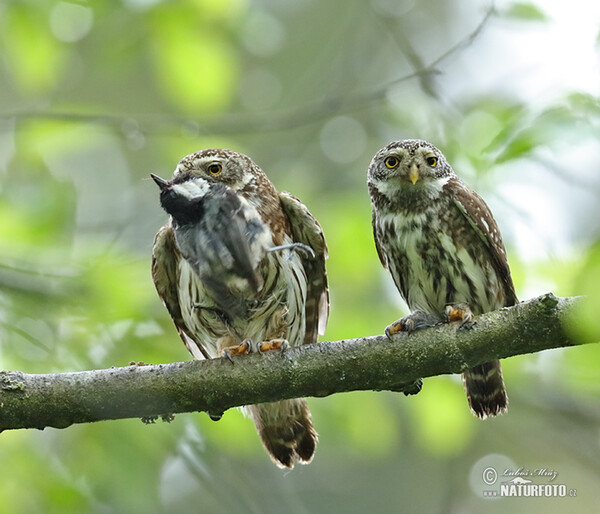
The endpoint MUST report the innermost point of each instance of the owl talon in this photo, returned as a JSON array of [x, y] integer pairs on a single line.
[[414, 388], [273, 344], [414, 321], [139, 363], [244, 348], [467, 325], [460, 312], [298, 247], [401, 325]]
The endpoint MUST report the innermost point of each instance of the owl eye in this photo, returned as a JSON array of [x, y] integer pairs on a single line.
[[215, 169], [392, 162], [432, 161]]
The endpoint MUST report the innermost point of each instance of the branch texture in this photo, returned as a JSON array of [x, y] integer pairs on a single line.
[[367, 363]]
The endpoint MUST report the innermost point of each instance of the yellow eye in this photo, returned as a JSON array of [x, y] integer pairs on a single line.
[[432, 161], [215, 169], [392, 162]]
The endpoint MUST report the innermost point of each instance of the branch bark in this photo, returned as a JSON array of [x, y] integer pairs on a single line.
[[366, 363]]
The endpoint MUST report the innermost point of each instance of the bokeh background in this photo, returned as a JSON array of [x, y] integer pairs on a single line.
[[96, 95]]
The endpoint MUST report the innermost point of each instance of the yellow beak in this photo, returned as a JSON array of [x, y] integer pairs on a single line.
[[413, 174]]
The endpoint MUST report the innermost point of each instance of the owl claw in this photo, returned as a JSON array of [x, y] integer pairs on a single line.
[[414, 388], [460, 312], [414, 321], [298, 247], [273, 344], [244, 348], [401, 325]]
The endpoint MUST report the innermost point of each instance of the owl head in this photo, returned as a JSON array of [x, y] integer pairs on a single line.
[[410, 164], [233, 169], [203, 180]]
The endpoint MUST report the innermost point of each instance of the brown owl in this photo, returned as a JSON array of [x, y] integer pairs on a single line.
[[441, 244], [241, 268]]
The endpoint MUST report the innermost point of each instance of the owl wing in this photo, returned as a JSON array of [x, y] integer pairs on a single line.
[[306, 229], [165, 274], [481, 219], [377, 238]]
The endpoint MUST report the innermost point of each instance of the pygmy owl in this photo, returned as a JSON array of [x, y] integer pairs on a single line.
[[441, 244], [241, 268]]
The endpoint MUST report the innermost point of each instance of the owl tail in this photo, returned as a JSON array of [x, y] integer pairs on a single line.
[[485, 389], [286, 431]]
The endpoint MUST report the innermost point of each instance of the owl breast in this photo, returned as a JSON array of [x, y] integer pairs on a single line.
[[434, 262], [275, 311]]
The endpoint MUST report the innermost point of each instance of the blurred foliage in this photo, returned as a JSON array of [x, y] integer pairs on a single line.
[[96, 95], [525, 11]]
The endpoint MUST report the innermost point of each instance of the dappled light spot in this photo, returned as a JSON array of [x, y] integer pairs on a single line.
[[343, 139], [70, 22]]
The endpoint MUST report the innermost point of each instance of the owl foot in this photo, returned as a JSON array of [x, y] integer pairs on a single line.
[[460, 312], [414, 321], [273, 344], [298, 247], [414, 388], [150, 420], [244, 348]]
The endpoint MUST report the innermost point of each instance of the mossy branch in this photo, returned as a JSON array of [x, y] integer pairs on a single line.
[[366, 363]]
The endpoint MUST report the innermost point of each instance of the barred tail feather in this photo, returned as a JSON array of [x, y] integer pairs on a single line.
[[286, 431], [485, 389]]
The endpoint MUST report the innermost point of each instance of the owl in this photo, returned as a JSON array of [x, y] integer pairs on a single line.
[[441, 244], [241, 268]]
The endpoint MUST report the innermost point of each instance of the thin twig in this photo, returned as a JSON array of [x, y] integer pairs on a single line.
[[234, 123]]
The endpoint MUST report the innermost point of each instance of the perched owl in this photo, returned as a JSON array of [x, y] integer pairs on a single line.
[[241, 268], [441, 244]]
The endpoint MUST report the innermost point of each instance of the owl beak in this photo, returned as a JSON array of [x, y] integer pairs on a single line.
[[413, 174], [160, 182]]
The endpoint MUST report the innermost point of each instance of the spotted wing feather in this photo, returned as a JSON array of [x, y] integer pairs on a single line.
[[481, 219], [306, 229], [377, 237], [165, 273]]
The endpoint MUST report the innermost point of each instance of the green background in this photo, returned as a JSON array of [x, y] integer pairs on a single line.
[[96, 95]]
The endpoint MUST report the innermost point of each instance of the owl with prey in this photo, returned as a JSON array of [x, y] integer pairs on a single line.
[[241, 268], [441, 244]]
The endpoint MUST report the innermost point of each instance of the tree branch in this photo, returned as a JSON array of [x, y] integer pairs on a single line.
[[367, 363]]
